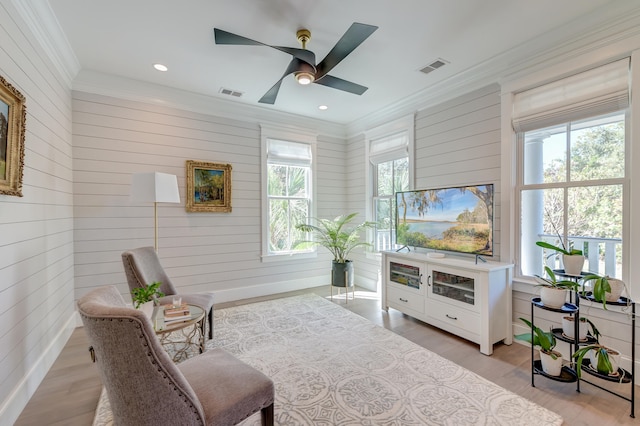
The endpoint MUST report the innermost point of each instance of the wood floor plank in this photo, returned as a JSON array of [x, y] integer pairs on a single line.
[[70, 391]]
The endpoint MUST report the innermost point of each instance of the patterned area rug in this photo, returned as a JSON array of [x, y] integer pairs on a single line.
[[333, 367]]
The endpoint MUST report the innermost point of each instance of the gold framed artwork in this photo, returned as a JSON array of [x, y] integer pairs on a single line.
[[13, 113], [208, 187]]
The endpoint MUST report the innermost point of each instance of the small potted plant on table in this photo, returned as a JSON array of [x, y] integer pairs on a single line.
[[145, 298]]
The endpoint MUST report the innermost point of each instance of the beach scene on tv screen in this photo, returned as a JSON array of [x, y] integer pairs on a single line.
[[450, 219]]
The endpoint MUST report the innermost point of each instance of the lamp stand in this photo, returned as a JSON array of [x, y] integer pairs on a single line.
[[155, 226]]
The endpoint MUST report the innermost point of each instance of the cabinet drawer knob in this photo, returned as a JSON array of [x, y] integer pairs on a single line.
[[403, 300], [450, 317]]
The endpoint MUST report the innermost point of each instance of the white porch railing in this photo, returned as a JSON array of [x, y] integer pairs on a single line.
[[601, 254]]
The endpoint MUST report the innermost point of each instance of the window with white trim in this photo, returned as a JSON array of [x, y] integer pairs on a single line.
[[572, 178], [390, 171], [287, 191]]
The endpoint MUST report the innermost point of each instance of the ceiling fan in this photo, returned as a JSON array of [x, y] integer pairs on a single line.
[[303, 65]]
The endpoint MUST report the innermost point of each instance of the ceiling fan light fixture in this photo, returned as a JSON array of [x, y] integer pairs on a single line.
[[304, 77]]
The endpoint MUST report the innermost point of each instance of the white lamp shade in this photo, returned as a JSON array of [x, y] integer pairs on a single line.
[[154, 188]]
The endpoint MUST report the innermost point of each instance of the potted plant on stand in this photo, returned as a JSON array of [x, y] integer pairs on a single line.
[[550, 359], [572, 259], [340, 237], [553, 293], [602, 359], [603, 288], [145, 298]]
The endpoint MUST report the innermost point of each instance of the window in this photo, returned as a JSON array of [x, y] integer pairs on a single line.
[[288, 192], [390, 172], [572, 174]]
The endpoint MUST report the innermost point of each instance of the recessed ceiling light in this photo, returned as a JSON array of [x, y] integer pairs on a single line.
[[160, 67], [323, 107]]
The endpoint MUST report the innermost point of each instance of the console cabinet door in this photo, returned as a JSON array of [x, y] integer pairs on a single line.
[[404, 289], [456, 287]]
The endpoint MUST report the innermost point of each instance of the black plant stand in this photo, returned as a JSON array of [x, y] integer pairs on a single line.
[[567, 375], [623, 375]]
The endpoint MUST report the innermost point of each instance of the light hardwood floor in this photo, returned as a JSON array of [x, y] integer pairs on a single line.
[[69, 393]]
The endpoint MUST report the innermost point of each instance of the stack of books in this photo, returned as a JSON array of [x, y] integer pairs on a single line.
[[176, 313]]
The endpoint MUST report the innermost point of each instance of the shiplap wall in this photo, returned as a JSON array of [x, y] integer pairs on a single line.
[[366, 265], [36, 231], [216, 252], [458, 143]]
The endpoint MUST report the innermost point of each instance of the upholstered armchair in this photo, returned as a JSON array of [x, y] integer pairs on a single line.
[[145, 387], [142, 267]]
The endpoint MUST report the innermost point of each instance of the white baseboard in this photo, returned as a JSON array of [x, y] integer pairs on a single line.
[[231, 295], [13, 405]]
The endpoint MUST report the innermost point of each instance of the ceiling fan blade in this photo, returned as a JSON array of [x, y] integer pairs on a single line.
[[272, 94], [302, 54], [225, 37], [355, 35], [340, 84]]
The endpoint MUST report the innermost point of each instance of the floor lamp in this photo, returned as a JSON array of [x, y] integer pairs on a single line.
[[154, 188]]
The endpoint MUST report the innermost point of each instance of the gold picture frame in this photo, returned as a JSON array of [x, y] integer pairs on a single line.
[[208, 187], [13, 114]]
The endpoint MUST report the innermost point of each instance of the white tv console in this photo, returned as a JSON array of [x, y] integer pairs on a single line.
[[467, 299]]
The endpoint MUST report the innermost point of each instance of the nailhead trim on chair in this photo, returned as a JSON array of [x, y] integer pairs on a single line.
[[137, 324]]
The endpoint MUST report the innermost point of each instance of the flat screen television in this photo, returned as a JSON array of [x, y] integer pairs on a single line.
[[456, 219]]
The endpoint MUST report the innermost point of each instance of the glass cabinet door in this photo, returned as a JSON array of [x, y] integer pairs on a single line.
[[452, 286], [404, 274]]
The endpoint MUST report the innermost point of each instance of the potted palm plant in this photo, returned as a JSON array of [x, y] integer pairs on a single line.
[[553, 292], [550, 359], [340, 237]]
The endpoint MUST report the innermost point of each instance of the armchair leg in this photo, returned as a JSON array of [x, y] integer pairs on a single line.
[[267, 415], [211, 323]]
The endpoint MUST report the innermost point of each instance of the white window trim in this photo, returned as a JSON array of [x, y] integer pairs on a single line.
[[403, 124], [509, 163], [293, 134]]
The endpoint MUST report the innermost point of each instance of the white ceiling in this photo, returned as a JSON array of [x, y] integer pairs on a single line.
[[125, 38]]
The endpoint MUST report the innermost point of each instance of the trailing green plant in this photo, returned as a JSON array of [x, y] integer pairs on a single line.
[[599, 288], [337, 235], [604, 365], [146, 294], [545, 340], [552, 281]]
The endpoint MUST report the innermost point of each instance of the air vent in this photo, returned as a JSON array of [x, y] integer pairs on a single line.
[[434, 66], [231, 92]]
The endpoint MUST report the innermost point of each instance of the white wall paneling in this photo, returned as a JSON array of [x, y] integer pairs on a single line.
[[36, 230], [214, 252]]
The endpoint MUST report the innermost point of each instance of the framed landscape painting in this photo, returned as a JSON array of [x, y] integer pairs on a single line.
[[208, 187], [12, 129]]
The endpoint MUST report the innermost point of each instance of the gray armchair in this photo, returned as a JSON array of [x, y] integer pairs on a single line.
[[142, 267], [146, 388]]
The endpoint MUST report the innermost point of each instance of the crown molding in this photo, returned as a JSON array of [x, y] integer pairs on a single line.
[[601, 35], [145, 92], [592, 37], [43, 24]]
